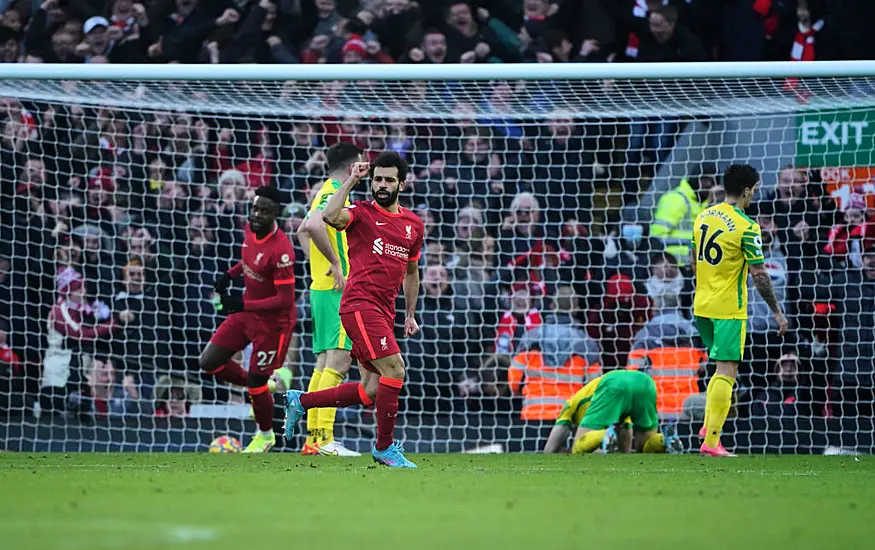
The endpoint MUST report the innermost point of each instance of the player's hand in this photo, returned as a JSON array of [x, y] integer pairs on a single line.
[[231, 304], [411, 327], [358, 170], [339, 280], [223, 282], [782, 323]]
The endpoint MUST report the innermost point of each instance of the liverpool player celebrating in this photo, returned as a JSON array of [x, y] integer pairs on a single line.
[[384, 247], [264, 315]]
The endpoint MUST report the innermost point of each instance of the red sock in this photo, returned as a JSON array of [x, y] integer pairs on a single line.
[[262, 406], [232, 373], [344, 395], [387, 410]]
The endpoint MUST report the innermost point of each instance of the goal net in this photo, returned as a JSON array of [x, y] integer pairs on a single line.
[[558, 210]]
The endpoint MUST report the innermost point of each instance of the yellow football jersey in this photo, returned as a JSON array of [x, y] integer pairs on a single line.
[[725, 243], [574, 409], [319, 264]]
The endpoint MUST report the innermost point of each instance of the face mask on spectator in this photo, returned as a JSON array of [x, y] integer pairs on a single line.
[[664, 291]]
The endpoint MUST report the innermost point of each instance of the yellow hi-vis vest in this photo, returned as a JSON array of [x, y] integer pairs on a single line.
[[673, 220]]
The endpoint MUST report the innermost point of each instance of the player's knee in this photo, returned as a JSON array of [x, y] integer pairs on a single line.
[[655, 443], [256, 380], [206, 363], [339, 361], [393, 367]]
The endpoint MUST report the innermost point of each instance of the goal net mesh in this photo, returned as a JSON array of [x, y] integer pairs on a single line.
[[557, 217]]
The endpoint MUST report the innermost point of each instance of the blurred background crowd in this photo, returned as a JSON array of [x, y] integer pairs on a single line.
[[116, 222]]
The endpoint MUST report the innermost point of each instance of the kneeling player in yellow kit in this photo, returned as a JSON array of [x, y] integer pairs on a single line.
[[621, 395], [726, 246]]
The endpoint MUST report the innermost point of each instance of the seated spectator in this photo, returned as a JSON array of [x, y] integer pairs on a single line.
[[668, 327], [516, 321], [617, 319], [174, 396], [785, 396], [103, 394]]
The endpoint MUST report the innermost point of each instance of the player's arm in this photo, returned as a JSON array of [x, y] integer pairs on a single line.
[[763, 283], [303, 236], [624, 437], [316, 229], [411, 295], [693, 257], [223, 281], [334, 213], [557, 438], [752, 248]]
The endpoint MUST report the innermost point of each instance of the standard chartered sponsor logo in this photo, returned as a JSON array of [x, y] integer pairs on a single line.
[[379, 248]]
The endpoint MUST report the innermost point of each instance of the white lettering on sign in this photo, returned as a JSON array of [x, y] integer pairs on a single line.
[[833, 133]]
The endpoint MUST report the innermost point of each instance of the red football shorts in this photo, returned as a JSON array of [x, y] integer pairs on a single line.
[[269, 337], [372, 335]]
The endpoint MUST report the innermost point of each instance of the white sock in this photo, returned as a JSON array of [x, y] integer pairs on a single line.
[[266, 434]]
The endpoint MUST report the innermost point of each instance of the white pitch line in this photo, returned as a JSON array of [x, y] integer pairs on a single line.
[[111, 533]]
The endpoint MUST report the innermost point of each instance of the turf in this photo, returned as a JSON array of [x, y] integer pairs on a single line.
[[125, 501]]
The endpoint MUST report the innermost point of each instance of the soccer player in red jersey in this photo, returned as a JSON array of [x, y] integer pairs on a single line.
[[384, 249], [263, 316]]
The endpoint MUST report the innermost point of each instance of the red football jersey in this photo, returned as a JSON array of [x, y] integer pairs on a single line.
[[380, 246], [267, 264]]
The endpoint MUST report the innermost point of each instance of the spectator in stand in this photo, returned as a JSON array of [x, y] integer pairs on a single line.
[[445, 342], [846, 241], [519, 319], [396, 15], [789, 200], [786, 395], [11, 376], [103, 394], [490, 40], [433, 49], [178, 36], [677, 210], [621, 315], [854, 290], [662, 38], [174, 396], [564, 168], [72, 333], [668, 327], [566, 355], [142, 347], [524, 255], [97, 259], [193, 312]]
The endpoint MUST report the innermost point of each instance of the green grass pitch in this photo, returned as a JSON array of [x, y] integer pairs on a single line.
[[284, 501]]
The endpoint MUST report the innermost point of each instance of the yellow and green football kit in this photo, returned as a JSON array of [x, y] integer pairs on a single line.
[[725, 243]]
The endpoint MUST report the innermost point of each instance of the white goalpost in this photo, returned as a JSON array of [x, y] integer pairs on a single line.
[[552, 194]]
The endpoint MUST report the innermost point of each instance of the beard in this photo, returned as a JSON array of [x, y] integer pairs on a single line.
[[386, 199]]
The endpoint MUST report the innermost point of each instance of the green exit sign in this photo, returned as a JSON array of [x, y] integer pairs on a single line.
[[836, 138]]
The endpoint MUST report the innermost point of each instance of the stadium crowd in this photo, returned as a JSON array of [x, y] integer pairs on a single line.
[[116, 222]]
